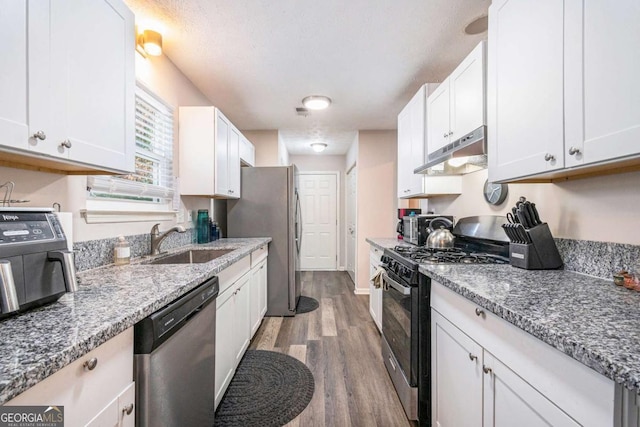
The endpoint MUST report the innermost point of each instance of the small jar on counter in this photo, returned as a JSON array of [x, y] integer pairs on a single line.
[[121, 252]]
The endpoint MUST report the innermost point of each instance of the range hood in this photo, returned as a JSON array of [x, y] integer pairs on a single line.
[[471, 149]]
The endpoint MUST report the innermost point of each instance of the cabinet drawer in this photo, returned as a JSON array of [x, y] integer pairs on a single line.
[[581, 392], [258, 255], [83, 392], [375, 254], [232, 273]]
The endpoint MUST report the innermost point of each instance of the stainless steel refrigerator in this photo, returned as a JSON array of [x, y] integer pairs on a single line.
[[270, 207]]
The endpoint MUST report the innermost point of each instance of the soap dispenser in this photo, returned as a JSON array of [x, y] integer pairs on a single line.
[[121, 252]]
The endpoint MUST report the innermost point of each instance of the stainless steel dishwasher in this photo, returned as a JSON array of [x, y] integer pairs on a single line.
[[175, 360]]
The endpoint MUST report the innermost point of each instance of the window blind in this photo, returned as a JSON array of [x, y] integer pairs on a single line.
[[153, 180]]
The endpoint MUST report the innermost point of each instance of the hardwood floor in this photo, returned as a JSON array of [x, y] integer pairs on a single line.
[[341, 346]]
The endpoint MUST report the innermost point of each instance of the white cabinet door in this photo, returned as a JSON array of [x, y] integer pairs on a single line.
[[602, 93], [120, 412], [404, 151], [247, 151], [92, 76], [14, 124], [375, 294], [225, 342], [511, 401], [221, 167], [417, 154], [456, 367], [233, 163], [525, 116], [255, 285], [438, 128], [467, 94], [263, 289], [242, 322]]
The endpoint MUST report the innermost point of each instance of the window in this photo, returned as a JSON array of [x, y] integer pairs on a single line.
[[151, 187]]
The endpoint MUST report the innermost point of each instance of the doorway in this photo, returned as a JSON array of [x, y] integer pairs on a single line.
[[319, 205], [351, 234]]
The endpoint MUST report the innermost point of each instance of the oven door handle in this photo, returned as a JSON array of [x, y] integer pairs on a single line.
[[404, 290]]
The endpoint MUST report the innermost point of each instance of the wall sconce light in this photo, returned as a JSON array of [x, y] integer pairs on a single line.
[[149, 43], [318, 147]]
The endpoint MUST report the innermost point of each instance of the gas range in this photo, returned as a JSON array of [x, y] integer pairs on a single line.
[[449, 256]]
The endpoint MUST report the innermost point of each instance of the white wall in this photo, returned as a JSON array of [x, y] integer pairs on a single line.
[[161, 76], [283, 153], [266, 145], [320, 163], [599, 208]]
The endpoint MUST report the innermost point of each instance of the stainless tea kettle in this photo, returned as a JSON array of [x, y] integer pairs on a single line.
[[440, 239]]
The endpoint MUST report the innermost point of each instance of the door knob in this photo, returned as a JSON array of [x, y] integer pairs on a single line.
[[479, 312], [66, 143], [486, 369], [472, 357], [549, 157], [573, 151]]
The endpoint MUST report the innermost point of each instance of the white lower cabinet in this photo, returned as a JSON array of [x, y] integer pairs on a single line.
[[487, 372], [258, 296], [95, 390], [241, 305], [375, 294]]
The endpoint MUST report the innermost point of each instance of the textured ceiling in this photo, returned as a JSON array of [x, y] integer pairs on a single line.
[[257, 59]]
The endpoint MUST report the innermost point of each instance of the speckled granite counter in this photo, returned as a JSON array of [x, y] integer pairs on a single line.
[[110, 300], [385, 242], [589, 319]]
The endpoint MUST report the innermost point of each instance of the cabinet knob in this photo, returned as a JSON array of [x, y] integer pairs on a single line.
[[472, 357], [479, 312], [573, 151], [450, 133], [549, 157], [40, 135], [445, 135], [486, 369], [66, 143], [127, 410], [91, 364]]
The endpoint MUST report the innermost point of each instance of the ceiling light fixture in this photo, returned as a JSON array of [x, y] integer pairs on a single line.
[[316, 102], [318, 147], [149, 43]]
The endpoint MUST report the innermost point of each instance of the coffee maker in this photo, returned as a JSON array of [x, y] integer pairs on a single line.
[[402, 212]]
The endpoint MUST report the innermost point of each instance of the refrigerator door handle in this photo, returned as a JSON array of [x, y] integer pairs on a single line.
[[298, 223]]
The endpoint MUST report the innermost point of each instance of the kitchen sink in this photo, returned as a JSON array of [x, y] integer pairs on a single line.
[[195, 256]]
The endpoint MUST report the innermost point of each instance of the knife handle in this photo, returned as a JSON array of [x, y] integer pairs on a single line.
[[536, 216]]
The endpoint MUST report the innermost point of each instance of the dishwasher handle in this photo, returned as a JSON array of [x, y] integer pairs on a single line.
[[152, 331]]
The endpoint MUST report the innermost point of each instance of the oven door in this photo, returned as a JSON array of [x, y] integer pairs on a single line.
[[400, 324]]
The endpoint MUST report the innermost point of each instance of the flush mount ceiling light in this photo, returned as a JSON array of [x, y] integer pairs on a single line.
[[318, 147], [477, 26], [149, 43], [316, 102]]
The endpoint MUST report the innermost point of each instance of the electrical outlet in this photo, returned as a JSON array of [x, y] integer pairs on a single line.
[[189, 215]]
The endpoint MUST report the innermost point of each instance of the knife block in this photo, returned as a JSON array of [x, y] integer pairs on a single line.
[[541, 254]]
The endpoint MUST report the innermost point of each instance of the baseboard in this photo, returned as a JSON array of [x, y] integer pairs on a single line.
[[342, 268], [360, 291]]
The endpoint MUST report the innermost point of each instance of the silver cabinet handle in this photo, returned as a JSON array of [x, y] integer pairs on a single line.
[[450, 133], [486, 369], [40, 135], [574, 151], [127, 410], [66, 143], [91, 364], [472, 357], [479, 312], [445, 135], [549, 157]]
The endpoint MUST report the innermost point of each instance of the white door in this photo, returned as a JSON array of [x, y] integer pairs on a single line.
[[602, 95], [351, 198], [525, 99], [511, 401], [456, 367], [318, 199]]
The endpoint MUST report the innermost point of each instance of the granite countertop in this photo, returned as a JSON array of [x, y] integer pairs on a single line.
[[110, 300], [385, 242], [588, 318]]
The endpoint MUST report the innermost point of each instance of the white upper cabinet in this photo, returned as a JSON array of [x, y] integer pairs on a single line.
[[209, 153], [247, 152], [565, 97], [71, 80], [413, 123], [602, 59], [457, 106]]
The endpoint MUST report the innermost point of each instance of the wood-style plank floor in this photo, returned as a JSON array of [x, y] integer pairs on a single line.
[[341, 346]]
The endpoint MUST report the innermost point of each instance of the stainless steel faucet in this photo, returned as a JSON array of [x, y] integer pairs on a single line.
[[157, 238]]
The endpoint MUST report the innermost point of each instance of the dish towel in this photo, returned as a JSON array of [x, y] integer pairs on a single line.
[[377, 277]]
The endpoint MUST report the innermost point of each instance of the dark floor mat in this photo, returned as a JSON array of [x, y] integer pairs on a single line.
[[306, 304], [268, 389]]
